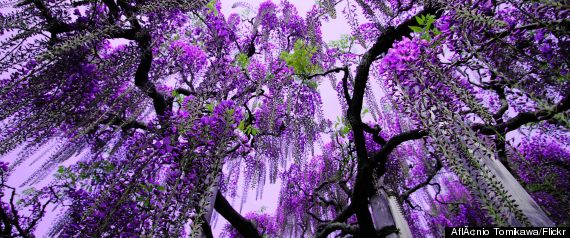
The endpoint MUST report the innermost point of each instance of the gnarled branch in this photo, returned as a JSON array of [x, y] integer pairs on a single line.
[[382, 155], [363, 186], [324, 230], [438, 166], [524, 118], [245, 227]]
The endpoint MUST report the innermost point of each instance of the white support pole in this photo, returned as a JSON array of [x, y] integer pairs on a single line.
[[536, 216], [386, 212]]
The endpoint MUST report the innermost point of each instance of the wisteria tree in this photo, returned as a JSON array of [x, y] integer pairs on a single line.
[[454, 113]]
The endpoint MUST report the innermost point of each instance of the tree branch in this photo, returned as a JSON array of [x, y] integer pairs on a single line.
[[141, 76], [125, 125], [324, 230], [382, 155], [7, 228], [335, 70], [437, 194], [346, 228], [345, 87], [438, 166], [245, 227], [524, 118], [363, 182], [375, 133], [183, 91], [113, 8], [54, 26], [500, 90], [16, 220], [344, 80], [136, 33], [387, 230]]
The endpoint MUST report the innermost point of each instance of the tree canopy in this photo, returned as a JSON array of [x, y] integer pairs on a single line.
[[454, 113]]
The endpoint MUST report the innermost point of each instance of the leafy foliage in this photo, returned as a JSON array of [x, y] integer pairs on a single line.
[[301, 58], [426, 27]]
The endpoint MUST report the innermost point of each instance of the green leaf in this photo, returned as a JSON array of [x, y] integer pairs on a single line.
[[242, 60], [430, 20], [29, 191], [241, 125], [300, 59], [254, 131], [210, 107], [417, 29], [313, 84], [61, 169], [160, 188], [247, 129], [344, 43], [436, 31], [109, 167], [420, 20], [344, 131], [212, 7], [179, 97]]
